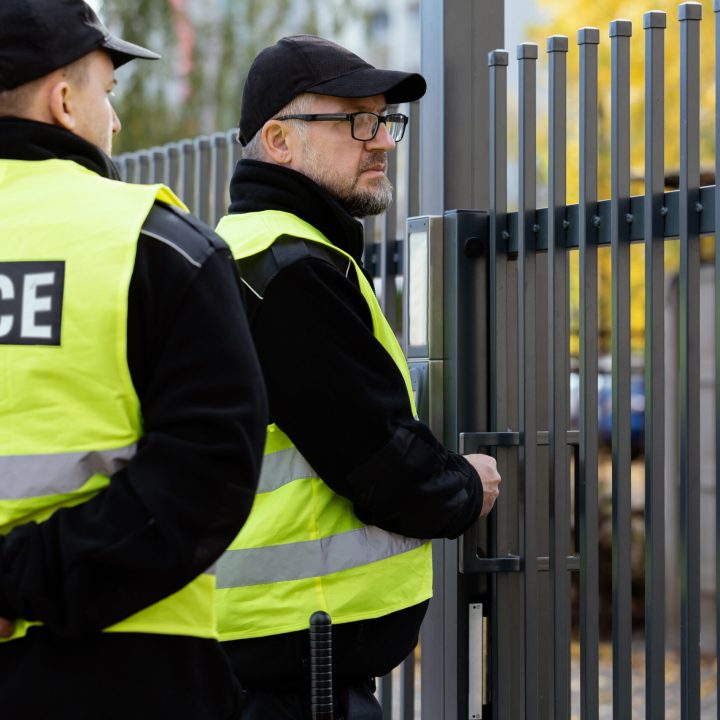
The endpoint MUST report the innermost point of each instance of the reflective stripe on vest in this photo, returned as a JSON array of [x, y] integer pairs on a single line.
[[69, 412], [312, 558], [29, 476], [303, 548], [283, 467]]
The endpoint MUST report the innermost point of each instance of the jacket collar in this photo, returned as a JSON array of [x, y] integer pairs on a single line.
[[30, 140], [257, 186]]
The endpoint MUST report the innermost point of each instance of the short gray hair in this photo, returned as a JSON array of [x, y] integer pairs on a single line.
[[18, 101], [299, 105]]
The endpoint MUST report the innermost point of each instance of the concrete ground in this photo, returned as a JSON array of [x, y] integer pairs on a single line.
[[708, 684]]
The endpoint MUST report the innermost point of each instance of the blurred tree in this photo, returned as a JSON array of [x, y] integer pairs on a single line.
[[565, 19], [207, 47], [562, 18]]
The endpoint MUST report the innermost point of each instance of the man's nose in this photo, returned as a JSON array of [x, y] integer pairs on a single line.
[[382, 140]]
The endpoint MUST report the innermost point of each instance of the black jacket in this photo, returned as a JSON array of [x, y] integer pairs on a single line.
[[163, 519], [341, 399]]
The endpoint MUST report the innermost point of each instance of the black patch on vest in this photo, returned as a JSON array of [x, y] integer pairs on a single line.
[[261, 269], [31, 297]]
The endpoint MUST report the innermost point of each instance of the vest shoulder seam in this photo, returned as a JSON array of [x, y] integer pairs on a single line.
[[188, 236], [258, 271]]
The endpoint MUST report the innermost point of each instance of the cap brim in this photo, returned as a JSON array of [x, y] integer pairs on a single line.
[[396, 86], [122, 51]]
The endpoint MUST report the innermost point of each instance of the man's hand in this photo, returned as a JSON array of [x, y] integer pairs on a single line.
[[486, 468], [6, 628]]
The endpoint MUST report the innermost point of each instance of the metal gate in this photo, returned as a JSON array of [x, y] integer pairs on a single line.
[[545, 529]]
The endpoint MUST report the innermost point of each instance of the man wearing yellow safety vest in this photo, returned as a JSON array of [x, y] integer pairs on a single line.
[[352, 485], [132, 408]]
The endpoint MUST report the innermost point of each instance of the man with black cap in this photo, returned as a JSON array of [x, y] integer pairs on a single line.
[[352, 484], [132, 409]]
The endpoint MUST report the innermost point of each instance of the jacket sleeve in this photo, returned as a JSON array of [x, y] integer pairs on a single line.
[[339, 396], [169, 514]]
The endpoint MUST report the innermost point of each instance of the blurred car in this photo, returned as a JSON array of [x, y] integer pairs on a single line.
[[605, 417]]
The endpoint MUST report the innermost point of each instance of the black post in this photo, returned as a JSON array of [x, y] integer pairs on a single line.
[[321, 665]]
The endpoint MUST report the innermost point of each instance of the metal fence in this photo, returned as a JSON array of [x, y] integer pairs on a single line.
[[548, 520], [197, 170]]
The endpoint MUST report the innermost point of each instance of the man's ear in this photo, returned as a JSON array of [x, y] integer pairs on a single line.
[[275, 140], [61, 105]]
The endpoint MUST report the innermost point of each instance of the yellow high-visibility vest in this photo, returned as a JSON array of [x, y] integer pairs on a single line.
[[69, 413], [303, 548]]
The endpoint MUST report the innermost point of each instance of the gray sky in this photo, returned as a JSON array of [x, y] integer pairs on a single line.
[[518, 14]]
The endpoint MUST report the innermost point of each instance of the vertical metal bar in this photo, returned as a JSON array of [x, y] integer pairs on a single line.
[[620, 219], [412, 173], [157, 165], [131, 168], [172, 166], [497, 291], [527, 54], [187, 174], [386, 694], [390, 237], [558, 373], [202, 179], [716, 10], [407, 687], [218, 177], [588, 40], [413, 164], [235, 148], [381, 262], [689, 14], [498, 62], [144, 167], [654, 24], [370, 259], [120, 163]]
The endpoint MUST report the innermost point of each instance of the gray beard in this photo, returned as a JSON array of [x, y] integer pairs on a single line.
[[359, 204], [369, 202]]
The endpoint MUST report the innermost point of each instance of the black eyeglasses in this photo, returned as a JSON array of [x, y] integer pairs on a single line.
[[363, 125]]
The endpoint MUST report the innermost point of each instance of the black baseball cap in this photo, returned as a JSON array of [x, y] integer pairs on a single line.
[[40, 36], [306, 63]]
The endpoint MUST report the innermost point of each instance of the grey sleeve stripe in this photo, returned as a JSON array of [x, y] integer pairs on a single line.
[[281, 468], [30, 476], [251, 288], [314, 558], [171, 244]]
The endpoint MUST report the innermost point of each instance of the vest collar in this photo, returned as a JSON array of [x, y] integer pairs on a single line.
[[258, 186]]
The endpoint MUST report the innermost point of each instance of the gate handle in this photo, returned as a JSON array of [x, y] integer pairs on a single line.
[[470, 562], [508, 438]]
